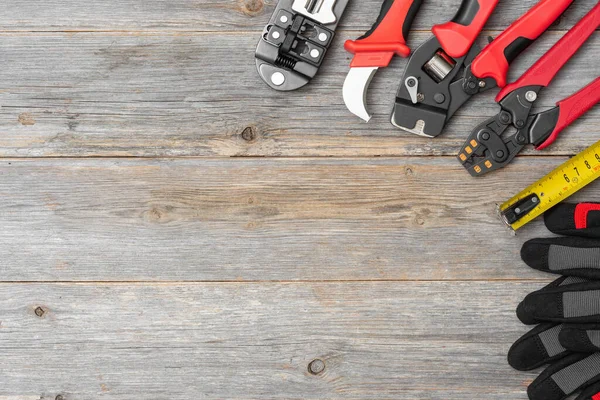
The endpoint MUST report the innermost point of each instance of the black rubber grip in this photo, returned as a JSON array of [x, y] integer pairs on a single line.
[[385, 8], [467, 12], [518, 46]]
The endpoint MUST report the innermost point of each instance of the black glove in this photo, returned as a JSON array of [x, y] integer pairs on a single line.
[[567, 310]]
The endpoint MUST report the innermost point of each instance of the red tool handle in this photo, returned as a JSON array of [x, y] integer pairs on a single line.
[[494, 60], [457, 36], [546, 68], [387, 36], [572, 108]]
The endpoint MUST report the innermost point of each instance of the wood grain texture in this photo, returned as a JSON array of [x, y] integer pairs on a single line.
[[260, 220], [117, 94], [221, 15], [170, 228], [400, 341]]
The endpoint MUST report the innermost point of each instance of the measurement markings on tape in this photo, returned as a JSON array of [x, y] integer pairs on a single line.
[[551, 190]]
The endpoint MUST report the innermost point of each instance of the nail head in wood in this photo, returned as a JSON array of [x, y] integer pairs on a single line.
[[39, 311], [316, 366]]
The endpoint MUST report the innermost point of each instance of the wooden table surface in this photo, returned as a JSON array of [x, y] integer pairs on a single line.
[[171, 228]]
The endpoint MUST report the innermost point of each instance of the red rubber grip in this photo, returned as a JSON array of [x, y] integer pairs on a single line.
[[457, 39], [582, 212], [546, 68], [386, 38], [572, 108], [494, 60]]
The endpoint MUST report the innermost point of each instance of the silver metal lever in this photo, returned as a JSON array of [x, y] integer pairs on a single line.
[[318, 10]]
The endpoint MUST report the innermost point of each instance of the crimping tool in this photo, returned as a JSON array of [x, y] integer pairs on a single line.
[[296, 40], [446, 71], [486, 149]]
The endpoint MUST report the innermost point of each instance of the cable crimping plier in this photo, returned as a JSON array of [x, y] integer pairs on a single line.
[[295, 41], [447, 70], [487, 149]]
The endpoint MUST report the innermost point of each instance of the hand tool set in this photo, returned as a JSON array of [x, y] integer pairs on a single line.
[[567, 337], [486, 150], [295, 42], [442, 74], [440, 77], [446, 71]]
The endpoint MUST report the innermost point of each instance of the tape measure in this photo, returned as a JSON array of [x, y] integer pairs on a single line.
[[554, 188]]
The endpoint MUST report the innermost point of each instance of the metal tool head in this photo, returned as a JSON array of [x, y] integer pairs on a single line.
[[425, 108], [294, 43], [418, 119], [489, 148], [485, 150], [355, 91], [320, 10]]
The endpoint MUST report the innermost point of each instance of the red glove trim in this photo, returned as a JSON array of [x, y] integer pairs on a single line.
[[581, 221]]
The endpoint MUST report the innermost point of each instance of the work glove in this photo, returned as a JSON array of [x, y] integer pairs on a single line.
[[567, 311]]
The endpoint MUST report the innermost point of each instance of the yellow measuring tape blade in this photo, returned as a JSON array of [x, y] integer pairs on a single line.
[[552, 189]]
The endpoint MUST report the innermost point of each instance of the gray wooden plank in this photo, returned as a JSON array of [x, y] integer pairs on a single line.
[[210, 15], [260, 219], [196, 94], [386, 340]]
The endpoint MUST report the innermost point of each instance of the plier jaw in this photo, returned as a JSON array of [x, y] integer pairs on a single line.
[[434, 87], [488, 148]]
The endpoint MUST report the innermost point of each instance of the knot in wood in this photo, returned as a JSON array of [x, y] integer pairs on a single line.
[[249, 134], [252, 7]]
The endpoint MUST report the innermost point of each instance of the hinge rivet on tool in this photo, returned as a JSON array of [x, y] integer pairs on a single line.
[[485, 136], [482, 84], [499, 154], [411, 82], [323, 37], [276, 35], [439, 98], [520, 123], [278, 79], [314, 53], [531, 96], [284, 19]]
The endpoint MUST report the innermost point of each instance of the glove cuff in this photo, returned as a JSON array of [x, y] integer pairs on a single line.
[[574, 219]]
